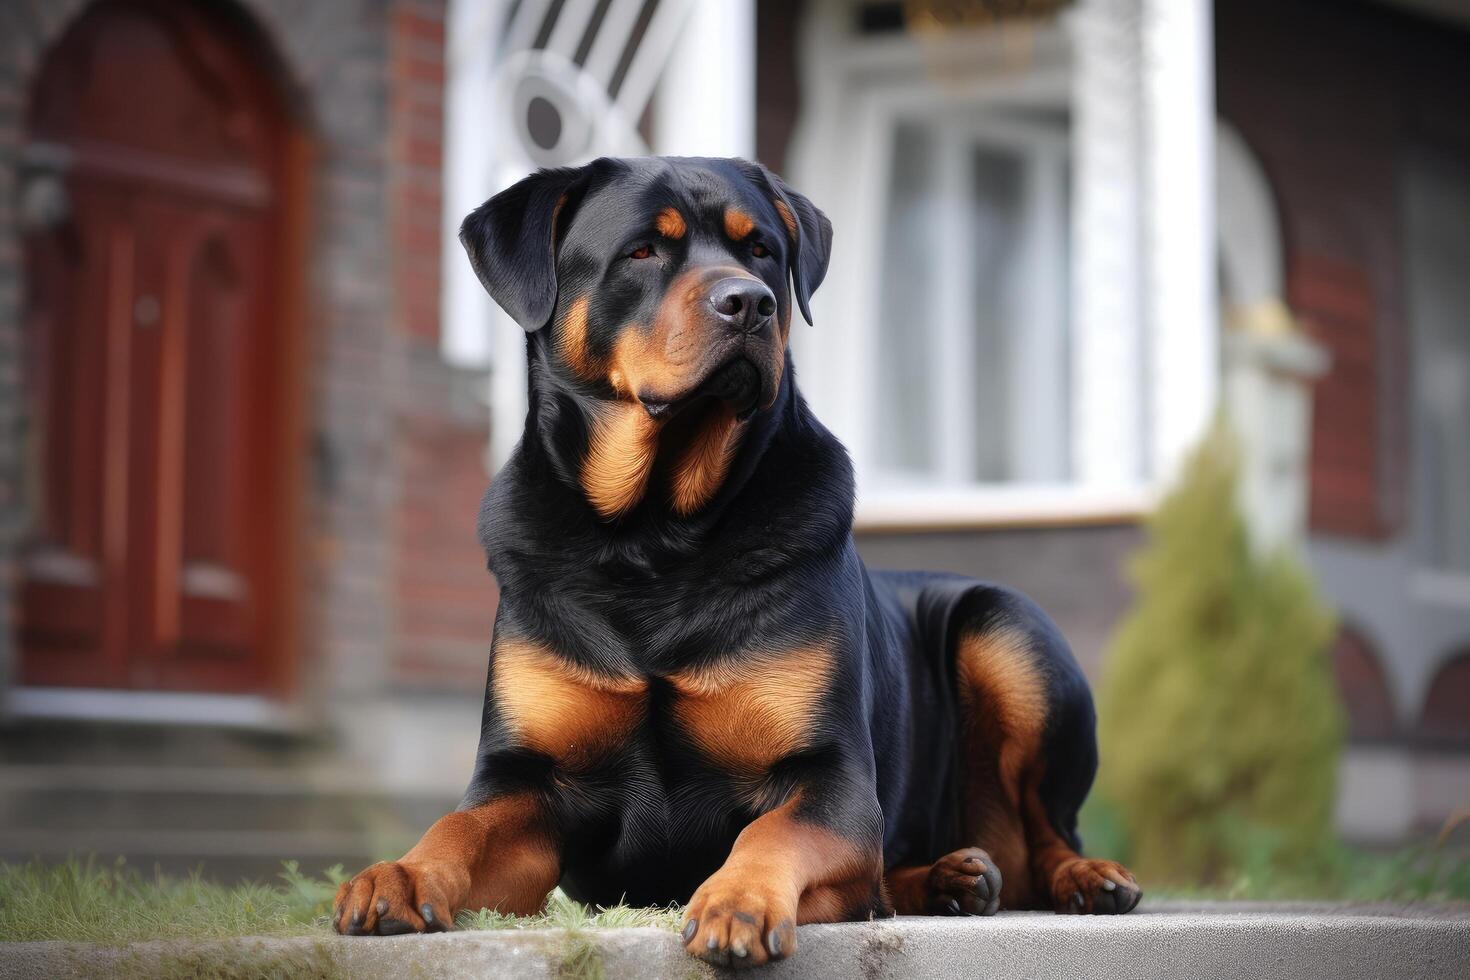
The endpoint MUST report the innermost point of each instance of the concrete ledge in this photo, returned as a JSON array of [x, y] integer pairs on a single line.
[[1341, 943]]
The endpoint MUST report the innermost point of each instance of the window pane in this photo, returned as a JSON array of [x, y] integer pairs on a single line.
[[1438, 253], [906, 318], [997, 301], [972, 371]]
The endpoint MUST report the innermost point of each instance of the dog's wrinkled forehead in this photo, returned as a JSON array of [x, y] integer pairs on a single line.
[[678, 201]]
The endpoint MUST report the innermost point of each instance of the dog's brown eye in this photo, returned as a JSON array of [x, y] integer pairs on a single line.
[[641, 252], [759, 250]]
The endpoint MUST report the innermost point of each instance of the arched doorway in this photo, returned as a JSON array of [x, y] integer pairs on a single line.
[[162, 356]]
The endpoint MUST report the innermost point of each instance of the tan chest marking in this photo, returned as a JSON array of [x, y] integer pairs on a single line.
[[567, 712], [700, 470], [749, 713], [620, 455]]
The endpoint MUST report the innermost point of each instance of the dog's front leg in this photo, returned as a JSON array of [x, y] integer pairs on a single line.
[[815, 858], [499, 855]]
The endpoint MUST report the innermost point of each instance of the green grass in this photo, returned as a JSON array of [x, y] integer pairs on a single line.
[[91, 901], [563, 913], [1435, 870], [114, 904], [1339, 873]]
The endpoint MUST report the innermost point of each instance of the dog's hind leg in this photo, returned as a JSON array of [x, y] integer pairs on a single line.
[[1029, 757]]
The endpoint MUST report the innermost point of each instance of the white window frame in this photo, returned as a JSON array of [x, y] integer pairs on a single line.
[[856, 97], [1044, 152], [1144, 336]]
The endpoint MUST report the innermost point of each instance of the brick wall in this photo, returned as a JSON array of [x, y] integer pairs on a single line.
[[416, 148], [1331, 97], [1444, 718], [777, 78], [445, 598]]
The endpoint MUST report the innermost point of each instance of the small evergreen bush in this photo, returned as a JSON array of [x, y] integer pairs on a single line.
[[1220, 725]]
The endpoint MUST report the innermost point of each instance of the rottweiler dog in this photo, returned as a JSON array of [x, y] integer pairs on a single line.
[[697, 692]]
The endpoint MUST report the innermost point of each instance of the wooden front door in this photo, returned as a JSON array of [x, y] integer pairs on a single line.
[[159, 358]]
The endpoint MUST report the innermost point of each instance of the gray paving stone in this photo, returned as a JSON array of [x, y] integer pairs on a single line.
[[1203, 941]]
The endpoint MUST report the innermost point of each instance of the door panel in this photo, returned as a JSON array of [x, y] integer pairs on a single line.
[[78, 447], [157, 361]]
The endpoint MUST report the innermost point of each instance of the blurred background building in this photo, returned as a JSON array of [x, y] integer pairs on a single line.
[[250, 392]]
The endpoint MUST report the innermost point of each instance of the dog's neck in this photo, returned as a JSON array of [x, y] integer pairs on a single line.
[[620, 460]]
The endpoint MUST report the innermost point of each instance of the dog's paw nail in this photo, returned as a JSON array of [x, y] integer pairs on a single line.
[[711, 943], [1109, 885], [382, 906], [953, 905], [773, 942], [689, 929], [739, 950], [427, 911]]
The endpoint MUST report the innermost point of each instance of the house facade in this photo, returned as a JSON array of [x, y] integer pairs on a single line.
[[250, 393]]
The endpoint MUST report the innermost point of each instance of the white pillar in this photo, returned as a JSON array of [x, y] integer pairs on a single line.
[[1108, 307], [705, 101], [466, 312], [1182, 295], [1268, 387]]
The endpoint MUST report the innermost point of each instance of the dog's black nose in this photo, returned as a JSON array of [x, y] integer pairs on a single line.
[[745, 304]]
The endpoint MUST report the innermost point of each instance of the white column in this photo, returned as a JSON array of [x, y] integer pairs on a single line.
[[1183, 302], [705, 101], [1108, 306], [466, 312]]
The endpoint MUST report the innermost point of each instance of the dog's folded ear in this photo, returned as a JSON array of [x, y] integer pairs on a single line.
[[511, 241], [811, 238]]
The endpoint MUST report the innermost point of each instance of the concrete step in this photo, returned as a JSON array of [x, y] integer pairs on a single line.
[[1153, 942], [231, 822]]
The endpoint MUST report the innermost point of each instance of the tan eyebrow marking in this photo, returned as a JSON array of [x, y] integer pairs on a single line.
[[738, 224], [669, 223]]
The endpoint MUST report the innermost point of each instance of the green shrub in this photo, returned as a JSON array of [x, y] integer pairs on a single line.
[[1220, 726]]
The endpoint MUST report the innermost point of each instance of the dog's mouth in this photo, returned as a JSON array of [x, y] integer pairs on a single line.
[[738, 382]]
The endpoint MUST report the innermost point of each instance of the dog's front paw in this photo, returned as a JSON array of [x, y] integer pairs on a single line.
[[740, 920], [1086, 886], [391, 898]]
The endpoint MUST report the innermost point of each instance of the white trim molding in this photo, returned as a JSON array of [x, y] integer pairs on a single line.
[[1001, 507], [1182, 243], [153, 707], [1108, 303]]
